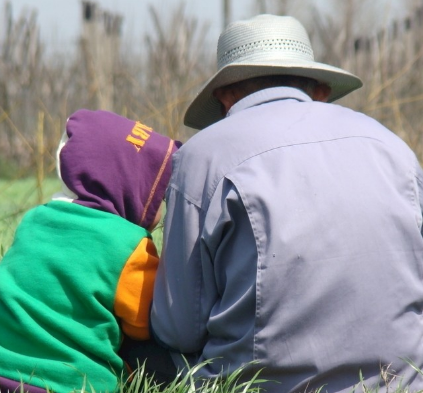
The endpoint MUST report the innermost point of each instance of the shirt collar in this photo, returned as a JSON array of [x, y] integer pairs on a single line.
[[267, 95]]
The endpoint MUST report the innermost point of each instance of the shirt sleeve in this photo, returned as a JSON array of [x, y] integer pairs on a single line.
[[175, 313], [135, 290], [195, 264]]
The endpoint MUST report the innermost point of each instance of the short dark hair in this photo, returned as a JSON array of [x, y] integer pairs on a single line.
[[252, 85]]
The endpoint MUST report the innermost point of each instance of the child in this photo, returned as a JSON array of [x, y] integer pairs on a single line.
[[82, 266]]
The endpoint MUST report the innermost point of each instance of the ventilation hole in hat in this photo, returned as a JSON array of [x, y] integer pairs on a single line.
[[263, 45]]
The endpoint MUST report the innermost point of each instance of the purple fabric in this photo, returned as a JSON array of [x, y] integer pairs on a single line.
[[116, 165], [12, 386]]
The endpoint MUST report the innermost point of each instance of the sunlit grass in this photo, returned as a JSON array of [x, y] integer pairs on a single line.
[[18, 196], [185, 382], [188, 382]]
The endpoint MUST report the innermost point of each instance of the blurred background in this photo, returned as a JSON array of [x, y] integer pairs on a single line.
[[147, 59]]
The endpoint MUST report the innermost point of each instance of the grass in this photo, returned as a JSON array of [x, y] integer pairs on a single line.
[[18, 196], [141, 382], [187, 382]]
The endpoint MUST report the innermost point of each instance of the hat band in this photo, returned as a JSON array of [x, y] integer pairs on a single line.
[[289, 47]]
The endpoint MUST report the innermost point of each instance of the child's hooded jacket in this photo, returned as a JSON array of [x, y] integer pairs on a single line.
[[83, 265]]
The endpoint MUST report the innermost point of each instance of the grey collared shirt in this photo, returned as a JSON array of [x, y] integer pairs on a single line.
[[293, 238]]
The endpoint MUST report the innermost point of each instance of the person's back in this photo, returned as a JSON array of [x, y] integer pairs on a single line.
[[317, 256], [296, 243]]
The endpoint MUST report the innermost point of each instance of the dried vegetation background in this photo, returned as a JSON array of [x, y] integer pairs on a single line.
[[39, 90]]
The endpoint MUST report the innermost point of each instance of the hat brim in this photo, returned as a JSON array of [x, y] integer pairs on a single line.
[[205, 109]]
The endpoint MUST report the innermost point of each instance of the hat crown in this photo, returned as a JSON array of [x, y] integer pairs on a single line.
[[265, 37], [262, 46]]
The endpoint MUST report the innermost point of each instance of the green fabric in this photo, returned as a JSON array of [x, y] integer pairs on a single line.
[[58, 284]]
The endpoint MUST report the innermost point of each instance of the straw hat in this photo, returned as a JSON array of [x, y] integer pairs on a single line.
[[264, 45]]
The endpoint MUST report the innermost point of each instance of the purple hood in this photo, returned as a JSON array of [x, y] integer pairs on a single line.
[[116, 165]]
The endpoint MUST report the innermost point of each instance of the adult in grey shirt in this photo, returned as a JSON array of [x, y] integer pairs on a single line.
[[293, 229]]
